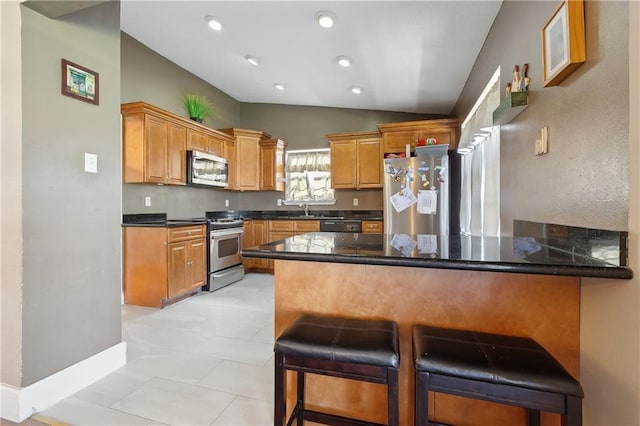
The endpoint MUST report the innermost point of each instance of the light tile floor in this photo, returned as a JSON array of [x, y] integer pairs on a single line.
[[207, 360]]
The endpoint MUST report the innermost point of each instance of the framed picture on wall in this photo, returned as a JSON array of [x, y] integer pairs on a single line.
[[563, 42], [80, 83]]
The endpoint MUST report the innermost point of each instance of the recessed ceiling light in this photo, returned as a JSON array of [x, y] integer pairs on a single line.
[[279, 86], [344, 61], [213, 22], [356, 89], [325, 19], [252, 60]]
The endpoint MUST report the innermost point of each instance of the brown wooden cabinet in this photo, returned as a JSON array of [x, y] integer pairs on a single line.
[[272, 164], [258, 232], [356, 160], [281, 229], [163, 264], [246, 172], [372, 227], [255, 233], [229, 150], [155, 143], [187, 260], [395, 136], [154, 150], [203, 141]]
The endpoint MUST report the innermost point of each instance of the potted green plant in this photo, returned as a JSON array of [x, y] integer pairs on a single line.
[[197, 106]]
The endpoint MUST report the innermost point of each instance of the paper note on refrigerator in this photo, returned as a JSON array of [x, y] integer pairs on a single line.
[[403, 200], [427, 201], [403, 243], [427, 244]]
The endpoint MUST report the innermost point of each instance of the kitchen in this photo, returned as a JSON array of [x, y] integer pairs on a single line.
[[526, 185]]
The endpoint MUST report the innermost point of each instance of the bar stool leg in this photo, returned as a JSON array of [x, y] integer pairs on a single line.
[[421, 403], [574, 412], [392, 397], [280, 397], [534, 417], [300, 403]]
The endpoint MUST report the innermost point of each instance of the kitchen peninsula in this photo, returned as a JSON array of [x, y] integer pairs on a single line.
[[528, 285]]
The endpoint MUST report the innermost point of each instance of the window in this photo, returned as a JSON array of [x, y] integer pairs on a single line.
[[308, 177], [480, 149]]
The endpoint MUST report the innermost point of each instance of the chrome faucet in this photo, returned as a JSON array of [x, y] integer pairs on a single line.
[[305, 207]]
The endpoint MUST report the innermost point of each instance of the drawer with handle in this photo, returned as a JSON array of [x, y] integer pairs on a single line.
[[184, 233]]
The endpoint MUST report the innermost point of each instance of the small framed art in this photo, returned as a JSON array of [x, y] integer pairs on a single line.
[[563, 42], [80, 83]]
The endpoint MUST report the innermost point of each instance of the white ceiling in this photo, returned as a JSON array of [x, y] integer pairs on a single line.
[[412, 56]]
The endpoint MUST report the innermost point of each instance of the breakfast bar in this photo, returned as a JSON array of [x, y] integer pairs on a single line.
[[522, 286]]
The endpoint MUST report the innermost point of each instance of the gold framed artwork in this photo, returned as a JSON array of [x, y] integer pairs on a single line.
[[79, 82], [563, 42]]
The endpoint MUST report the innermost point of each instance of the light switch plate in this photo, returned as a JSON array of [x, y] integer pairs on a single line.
[[355, 202], [542, 146], [90, 163]]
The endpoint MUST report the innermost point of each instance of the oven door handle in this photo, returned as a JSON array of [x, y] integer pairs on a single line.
[[224, 232]]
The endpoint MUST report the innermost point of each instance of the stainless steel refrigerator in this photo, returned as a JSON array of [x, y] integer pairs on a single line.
[[417, 194]]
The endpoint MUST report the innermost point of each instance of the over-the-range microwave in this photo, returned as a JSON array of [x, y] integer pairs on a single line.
[[206, 169]]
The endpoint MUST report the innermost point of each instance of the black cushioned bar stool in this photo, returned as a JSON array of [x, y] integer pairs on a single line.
[[492, 367], [358, 349]]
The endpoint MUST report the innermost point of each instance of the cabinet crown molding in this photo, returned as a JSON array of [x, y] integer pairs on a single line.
[[141, 107], [246, 132], [353, 135], [418, 125]]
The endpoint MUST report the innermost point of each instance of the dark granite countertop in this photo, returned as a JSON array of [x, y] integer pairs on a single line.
[[529, 255], [313, 214], [158, 220], [161, 220]]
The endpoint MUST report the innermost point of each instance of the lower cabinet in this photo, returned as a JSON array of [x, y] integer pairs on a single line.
[[186, 267], [163, 264], [255, 233], [258, 232]]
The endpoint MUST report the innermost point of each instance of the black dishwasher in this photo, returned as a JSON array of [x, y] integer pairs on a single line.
[[341, 225]]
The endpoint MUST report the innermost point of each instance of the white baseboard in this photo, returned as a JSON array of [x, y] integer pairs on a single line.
[[18, 404]]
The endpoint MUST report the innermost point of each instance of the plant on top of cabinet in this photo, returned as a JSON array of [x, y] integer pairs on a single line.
[[198, 106]]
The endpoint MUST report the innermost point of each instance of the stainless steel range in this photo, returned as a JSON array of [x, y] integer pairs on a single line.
[[225, 244]]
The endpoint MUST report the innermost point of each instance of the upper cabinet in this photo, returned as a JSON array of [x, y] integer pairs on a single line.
[[356, 160], [204, 141], [395, 136], [155, 143], [259, 161], [272, 164]]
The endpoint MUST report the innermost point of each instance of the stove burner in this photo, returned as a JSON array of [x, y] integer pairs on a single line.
[[226, 219], [225, 222]]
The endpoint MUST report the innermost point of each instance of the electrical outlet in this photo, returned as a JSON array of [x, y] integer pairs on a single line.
[[542, 145], [90, 163], [147, 201], [279, 202], [355, 202], [226, 203]]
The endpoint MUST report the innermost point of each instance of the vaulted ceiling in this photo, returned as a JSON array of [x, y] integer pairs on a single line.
[[409, 56]]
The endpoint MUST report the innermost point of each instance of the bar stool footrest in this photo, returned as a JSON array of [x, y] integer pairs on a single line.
[[334, 420]]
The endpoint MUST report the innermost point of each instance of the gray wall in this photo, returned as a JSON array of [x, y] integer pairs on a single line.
[[583, 181], [149, 77], [71, 219]]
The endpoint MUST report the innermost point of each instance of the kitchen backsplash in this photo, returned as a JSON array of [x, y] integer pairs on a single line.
[[180, 201]]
